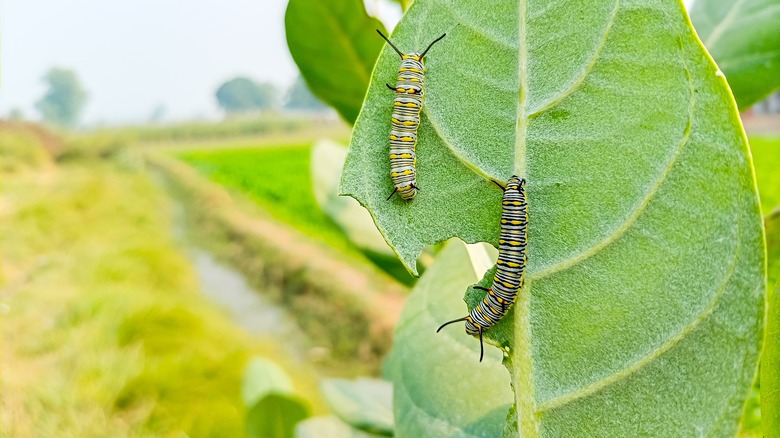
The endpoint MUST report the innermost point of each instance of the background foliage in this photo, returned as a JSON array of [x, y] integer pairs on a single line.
[[743, 37], [65, 97]]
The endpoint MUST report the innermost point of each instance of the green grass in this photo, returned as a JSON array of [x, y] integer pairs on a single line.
[[104, 332], [279, 180], [21, 149], [766, 159]]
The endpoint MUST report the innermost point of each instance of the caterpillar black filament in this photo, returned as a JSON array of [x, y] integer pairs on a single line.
[[510, 266], [406, 118]]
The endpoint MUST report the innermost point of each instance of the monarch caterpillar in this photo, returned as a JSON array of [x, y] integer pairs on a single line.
[[509, 267], [406, 118]]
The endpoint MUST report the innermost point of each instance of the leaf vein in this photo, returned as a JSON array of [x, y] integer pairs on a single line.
[[344, 42], [575, 85], [646, 360], [637, 212], [467, 24], [717, 32], [448, 144]]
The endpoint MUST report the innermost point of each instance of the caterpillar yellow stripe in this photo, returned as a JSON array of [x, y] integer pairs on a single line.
[[510, 267], [405, 121]]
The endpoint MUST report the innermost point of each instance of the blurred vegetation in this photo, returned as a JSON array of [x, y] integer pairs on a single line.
[[104, 333], [766, 160], [742, 36], [273, 407], [232, 127], [332, 293], [21, 149], [279, 179], [337, 63], [243, 95], [276, 178], [65, 97], [300, 97]]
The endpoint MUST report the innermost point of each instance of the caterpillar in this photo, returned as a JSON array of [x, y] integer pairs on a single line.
[[510, 266], [406, 118]]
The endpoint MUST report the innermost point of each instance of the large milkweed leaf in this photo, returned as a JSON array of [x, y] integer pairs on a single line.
[[335, 45], [645, 285], [744, 38], [439, 387]]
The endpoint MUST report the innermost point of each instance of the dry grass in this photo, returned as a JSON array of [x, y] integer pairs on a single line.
[[103, 330]]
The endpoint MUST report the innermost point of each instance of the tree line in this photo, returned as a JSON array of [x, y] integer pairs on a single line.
[[65, 98]]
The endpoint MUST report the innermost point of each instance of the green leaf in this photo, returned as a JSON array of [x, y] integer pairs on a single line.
[[263, 377], [644, 298], [439, 386], [772, 226], [328, 427], [275, 416], [743, 36], [766, 158], [770, 369], [366, 404], [273, 409], [335, 46], [327, 160], [770, 361]]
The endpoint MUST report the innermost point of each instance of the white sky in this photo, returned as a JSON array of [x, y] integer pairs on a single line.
[[132, 56], [135, 55]]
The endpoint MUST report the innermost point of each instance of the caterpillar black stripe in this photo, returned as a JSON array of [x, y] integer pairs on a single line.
[[406, 118], [510, 267]]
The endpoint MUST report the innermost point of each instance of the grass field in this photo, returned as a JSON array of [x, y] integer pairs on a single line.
[[766, 158], [279, 180], [104, 331]]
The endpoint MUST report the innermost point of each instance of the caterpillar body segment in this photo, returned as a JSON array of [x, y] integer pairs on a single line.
[[510, 266]]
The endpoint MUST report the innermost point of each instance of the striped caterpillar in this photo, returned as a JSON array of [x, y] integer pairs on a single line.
[[406, 118], [510, 266]]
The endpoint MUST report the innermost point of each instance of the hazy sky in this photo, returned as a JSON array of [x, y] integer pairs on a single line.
[[135, 55]]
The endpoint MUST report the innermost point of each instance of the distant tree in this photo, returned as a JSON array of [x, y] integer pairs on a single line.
[[243, 95], [65, 98], [158, 114], [300, 97], [16, 114]]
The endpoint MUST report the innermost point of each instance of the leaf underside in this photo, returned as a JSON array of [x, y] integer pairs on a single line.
[[643, 302]]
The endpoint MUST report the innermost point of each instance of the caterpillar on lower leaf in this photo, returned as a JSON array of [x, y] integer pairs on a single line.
[[510, 266]]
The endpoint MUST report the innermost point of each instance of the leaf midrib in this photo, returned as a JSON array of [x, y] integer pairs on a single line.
[[655, 353], [344, 42], [721, 27]]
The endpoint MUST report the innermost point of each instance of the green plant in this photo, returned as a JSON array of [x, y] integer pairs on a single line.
[[273, 409], [336, 63], [770, 369], [743, 37], [365, 404], [646, 270], [21, 149], [621, 319], [104, 331]]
